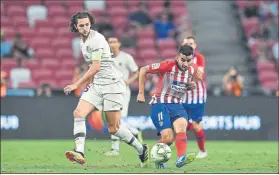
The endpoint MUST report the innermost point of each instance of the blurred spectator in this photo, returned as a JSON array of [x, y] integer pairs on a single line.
[[164, 28], [275, 51], [272, 27], [19, 74], [44, 90], [6, 46], [79, 72], [21, 48], [3, 84], [251, 10], [268, 8], [233, 82], [167, 10], [104, 26], [129, 39], [140, 17]]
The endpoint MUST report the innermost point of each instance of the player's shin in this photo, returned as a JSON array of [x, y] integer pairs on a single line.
[[115, 142], [126, 135], [79, 133], [181, 143], [200, 137]]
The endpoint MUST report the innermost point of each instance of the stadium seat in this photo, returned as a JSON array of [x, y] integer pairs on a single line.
[[266, 65], [131, 51], [178, 4], [145, 43], [20, 21], [64, 83], [120, 22], [50, 64], [54, 3], [64, 74], [31, 64], [64, 53], [43, 23], [117, 4], [33, 2], [179, 11], [61, 43], [61, 21], [64, 32], [9, 31], [56, 11], [41, 74], [118, 12], [36, 12], [148, 54], [267, 76], [8, 63], [46, 32], [68, 64], [168, 43], [26, 32], [146, 33], [74, 9], [49, 81], [155, 11], [168, 53], [40, 42], [5, 21], [44, 53], [16, 10], [270, 85]]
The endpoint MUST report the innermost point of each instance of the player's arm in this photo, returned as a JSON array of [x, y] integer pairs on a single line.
[[94, 68], [134, 69], [153, 69]]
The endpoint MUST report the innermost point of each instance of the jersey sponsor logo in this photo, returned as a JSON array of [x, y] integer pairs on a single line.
[[155, 66], [178, 86]]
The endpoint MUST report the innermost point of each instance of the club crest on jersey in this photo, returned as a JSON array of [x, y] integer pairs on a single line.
[[155, 66], [161, 123], [89, 49]]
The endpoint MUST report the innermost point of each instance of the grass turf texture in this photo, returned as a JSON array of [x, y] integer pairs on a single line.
[[48, 156]]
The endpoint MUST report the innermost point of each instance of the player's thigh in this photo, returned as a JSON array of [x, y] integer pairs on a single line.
[[83, 108], [91, 95], [178, 117], [160, 117], [125, 108]]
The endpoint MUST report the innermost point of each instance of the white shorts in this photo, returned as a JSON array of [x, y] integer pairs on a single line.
[[106, 97], [127, 97]]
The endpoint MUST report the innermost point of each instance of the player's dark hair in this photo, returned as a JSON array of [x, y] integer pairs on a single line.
[[186, 50], [191, 37], [81, 15]]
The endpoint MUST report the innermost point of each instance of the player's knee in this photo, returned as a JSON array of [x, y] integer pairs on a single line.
[[167, 139], [112, 129], [197, 126], [77, 113]]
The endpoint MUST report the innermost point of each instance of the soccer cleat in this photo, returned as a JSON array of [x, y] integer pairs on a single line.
[[112, 153], [144, 158], [185, 159], [201, 155], [160, 165], [75, 156]]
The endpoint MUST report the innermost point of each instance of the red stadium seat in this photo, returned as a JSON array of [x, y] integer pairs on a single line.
[[75, 3], [65, 32], [20, 21], [179, 11], [74, 9], [26, 31], [60, 21], [115, 4], [31, 64], [270, 85], [54, 3], [64, 74], [120, 22], [55, 11], [155, 11], [267, 76], [145, 43], [39, 74], [26, 85], [46, 31], [9, 31], [166, 44], [168, 53], [40, 42], [49, 81], [148, 54], [8, 63], [16, 10], [5, 22], [50, 64], [146, 33], [118, 11], [64, 83], [68, 64], [131, 51], [44, 53], [33, 2], [43, 23], [267, 65], [154, 4], [64, 53], [249, 23], [61, 43], [178, 4]]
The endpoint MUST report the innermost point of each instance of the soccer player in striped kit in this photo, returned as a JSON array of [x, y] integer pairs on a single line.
[[167, 113], [195, 99]]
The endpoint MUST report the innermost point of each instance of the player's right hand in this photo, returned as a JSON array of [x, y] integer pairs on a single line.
[[141, 98], [69, 88]]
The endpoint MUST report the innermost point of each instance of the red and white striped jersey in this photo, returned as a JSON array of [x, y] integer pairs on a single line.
[[173, 81], [199, 94]]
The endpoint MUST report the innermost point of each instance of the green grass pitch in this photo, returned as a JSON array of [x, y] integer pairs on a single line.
[[48, 156]]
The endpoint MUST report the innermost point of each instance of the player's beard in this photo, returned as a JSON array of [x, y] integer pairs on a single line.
[[85, 34]]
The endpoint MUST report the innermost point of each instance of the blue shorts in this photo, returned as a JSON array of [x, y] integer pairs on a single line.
[[195, 111], [163, 115]]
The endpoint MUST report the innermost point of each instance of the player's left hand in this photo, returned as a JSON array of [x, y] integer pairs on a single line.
[[69, 88], [192, 85], [141, 98]]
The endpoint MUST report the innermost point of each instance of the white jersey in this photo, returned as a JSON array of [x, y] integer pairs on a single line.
[[126, 64], [108, 73]]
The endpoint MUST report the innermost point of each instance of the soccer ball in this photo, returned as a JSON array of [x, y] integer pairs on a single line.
[[160, 152]]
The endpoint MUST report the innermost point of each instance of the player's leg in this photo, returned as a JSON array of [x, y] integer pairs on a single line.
[[87, 103], [178, 118], [161, 120], [187, 108], [196, 116]]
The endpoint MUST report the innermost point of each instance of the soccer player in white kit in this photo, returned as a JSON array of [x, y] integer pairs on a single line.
[[105, 93], [127, 65]]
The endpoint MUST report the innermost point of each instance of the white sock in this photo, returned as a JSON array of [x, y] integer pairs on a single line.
[[115, 142], [126, 135], [133, 130], [79, 133]]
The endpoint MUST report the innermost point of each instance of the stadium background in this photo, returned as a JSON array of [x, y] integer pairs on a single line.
[[224, 33]]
